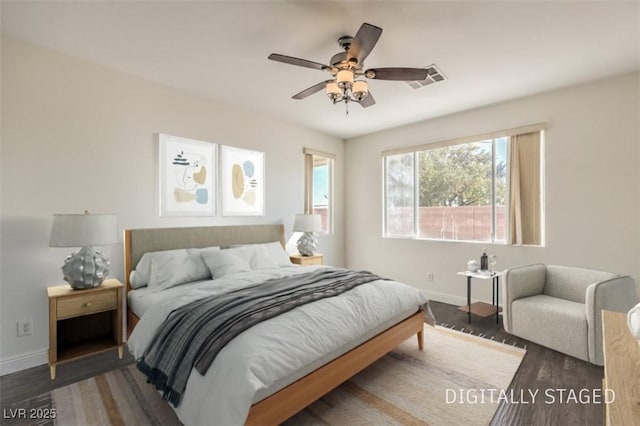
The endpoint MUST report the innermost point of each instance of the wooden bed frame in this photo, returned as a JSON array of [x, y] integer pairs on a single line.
[[283, 404]]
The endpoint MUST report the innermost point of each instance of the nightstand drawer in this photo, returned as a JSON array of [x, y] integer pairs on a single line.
[[315, 259], [69, 307]]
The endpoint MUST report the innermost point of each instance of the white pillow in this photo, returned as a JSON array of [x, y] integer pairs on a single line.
[[142, 274], [255, 256], [140, 277], [277, 253], [222, 263], [133, 280], [175, 268], [262, 256]]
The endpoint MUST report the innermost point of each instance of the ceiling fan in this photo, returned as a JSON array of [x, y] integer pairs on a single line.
[[347, 69]]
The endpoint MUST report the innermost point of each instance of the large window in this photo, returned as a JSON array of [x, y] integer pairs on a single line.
[[319, 187], [487, 190]]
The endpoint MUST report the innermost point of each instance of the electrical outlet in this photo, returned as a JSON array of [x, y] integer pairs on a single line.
[[25, 327], [430, 277]]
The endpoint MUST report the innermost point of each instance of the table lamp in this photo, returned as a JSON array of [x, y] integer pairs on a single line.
[[307, 223], [87, 267]]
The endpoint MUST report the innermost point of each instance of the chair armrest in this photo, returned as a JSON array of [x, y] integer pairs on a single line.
[[617, 294], [519, 282]]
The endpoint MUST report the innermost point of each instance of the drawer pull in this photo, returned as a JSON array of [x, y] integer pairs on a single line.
[[88, 304]]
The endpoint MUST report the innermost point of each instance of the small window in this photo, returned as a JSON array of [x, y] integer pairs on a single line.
[[487, 191], [400, 194], [319, 187]]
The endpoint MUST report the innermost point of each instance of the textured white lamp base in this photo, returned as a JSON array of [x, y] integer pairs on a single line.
[[86, 268], [307, 244]]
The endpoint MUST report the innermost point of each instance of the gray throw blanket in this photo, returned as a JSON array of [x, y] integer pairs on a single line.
[[195, 333]]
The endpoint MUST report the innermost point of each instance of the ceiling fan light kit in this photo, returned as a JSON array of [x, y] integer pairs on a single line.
[[346, 67], [344, 78]]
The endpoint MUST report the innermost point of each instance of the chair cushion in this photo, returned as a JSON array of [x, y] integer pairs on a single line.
[[552, 322], [571, 283]]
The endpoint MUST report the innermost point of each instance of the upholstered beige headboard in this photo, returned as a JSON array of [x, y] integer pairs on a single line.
[[140, 241]]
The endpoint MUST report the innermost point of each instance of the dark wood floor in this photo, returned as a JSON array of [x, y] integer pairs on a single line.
[[541, 369], [19, 386]]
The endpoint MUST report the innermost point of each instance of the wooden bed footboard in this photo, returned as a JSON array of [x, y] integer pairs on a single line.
[[283, 404]]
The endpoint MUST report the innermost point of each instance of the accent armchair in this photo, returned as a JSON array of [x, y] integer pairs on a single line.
[[559, 306]]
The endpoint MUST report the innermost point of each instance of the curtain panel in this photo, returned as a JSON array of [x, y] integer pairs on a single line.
[[525, 206]]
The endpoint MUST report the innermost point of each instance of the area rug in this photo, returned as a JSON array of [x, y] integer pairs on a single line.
[[441, 385]]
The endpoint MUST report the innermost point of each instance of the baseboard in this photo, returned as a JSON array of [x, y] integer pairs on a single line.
[[444, 297], [23, 361], [449, 298]]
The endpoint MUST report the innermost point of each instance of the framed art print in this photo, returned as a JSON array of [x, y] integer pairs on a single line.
[[187, 177], [241, 181]]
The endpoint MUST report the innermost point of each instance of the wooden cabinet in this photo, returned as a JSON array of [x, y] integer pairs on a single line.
[[316, 259], [621, 370], [84, 322]]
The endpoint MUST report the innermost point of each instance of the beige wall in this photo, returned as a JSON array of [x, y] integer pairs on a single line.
[[592, 188], [78, 136]]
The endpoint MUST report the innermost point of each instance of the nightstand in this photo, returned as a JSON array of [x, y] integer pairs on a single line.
[[316, 259], [84, 322]]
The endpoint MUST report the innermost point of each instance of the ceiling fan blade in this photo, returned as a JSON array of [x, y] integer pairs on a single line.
[[399, 74], [364, 41], [367, 101], [311, 90], [297, 61]]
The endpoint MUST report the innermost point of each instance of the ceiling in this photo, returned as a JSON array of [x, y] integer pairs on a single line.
[[489, 51]]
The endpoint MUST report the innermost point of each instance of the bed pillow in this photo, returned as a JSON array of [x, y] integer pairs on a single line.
[[262, 256], [223, 262], [256, 257], [142, 274], [170, 269], [134, 282], [277, 253]]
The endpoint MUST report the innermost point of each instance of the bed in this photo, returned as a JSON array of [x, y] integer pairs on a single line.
[[279, 399]]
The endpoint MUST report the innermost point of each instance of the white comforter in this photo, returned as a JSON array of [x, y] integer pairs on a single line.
[[277, 352]]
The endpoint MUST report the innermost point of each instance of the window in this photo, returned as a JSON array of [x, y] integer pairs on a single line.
[[319, 187], [400, 194], [487, 190]]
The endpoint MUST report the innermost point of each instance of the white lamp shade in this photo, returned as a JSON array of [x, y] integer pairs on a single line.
[[344, 77], [360, 86], [83, 230], [333, 89], [307, 223]]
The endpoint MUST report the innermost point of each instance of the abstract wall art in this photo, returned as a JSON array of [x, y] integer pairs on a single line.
[[187, 177], [242, 181]]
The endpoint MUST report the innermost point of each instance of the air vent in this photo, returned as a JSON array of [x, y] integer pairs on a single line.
[[434, 76]]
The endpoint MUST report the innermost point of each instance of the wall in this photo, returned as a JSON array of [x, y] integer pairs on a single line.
[[592, 188], [78, 136]]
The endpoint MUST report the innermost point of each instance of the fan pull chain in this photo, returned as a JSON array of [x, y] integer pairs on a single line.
[[346, 108]]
